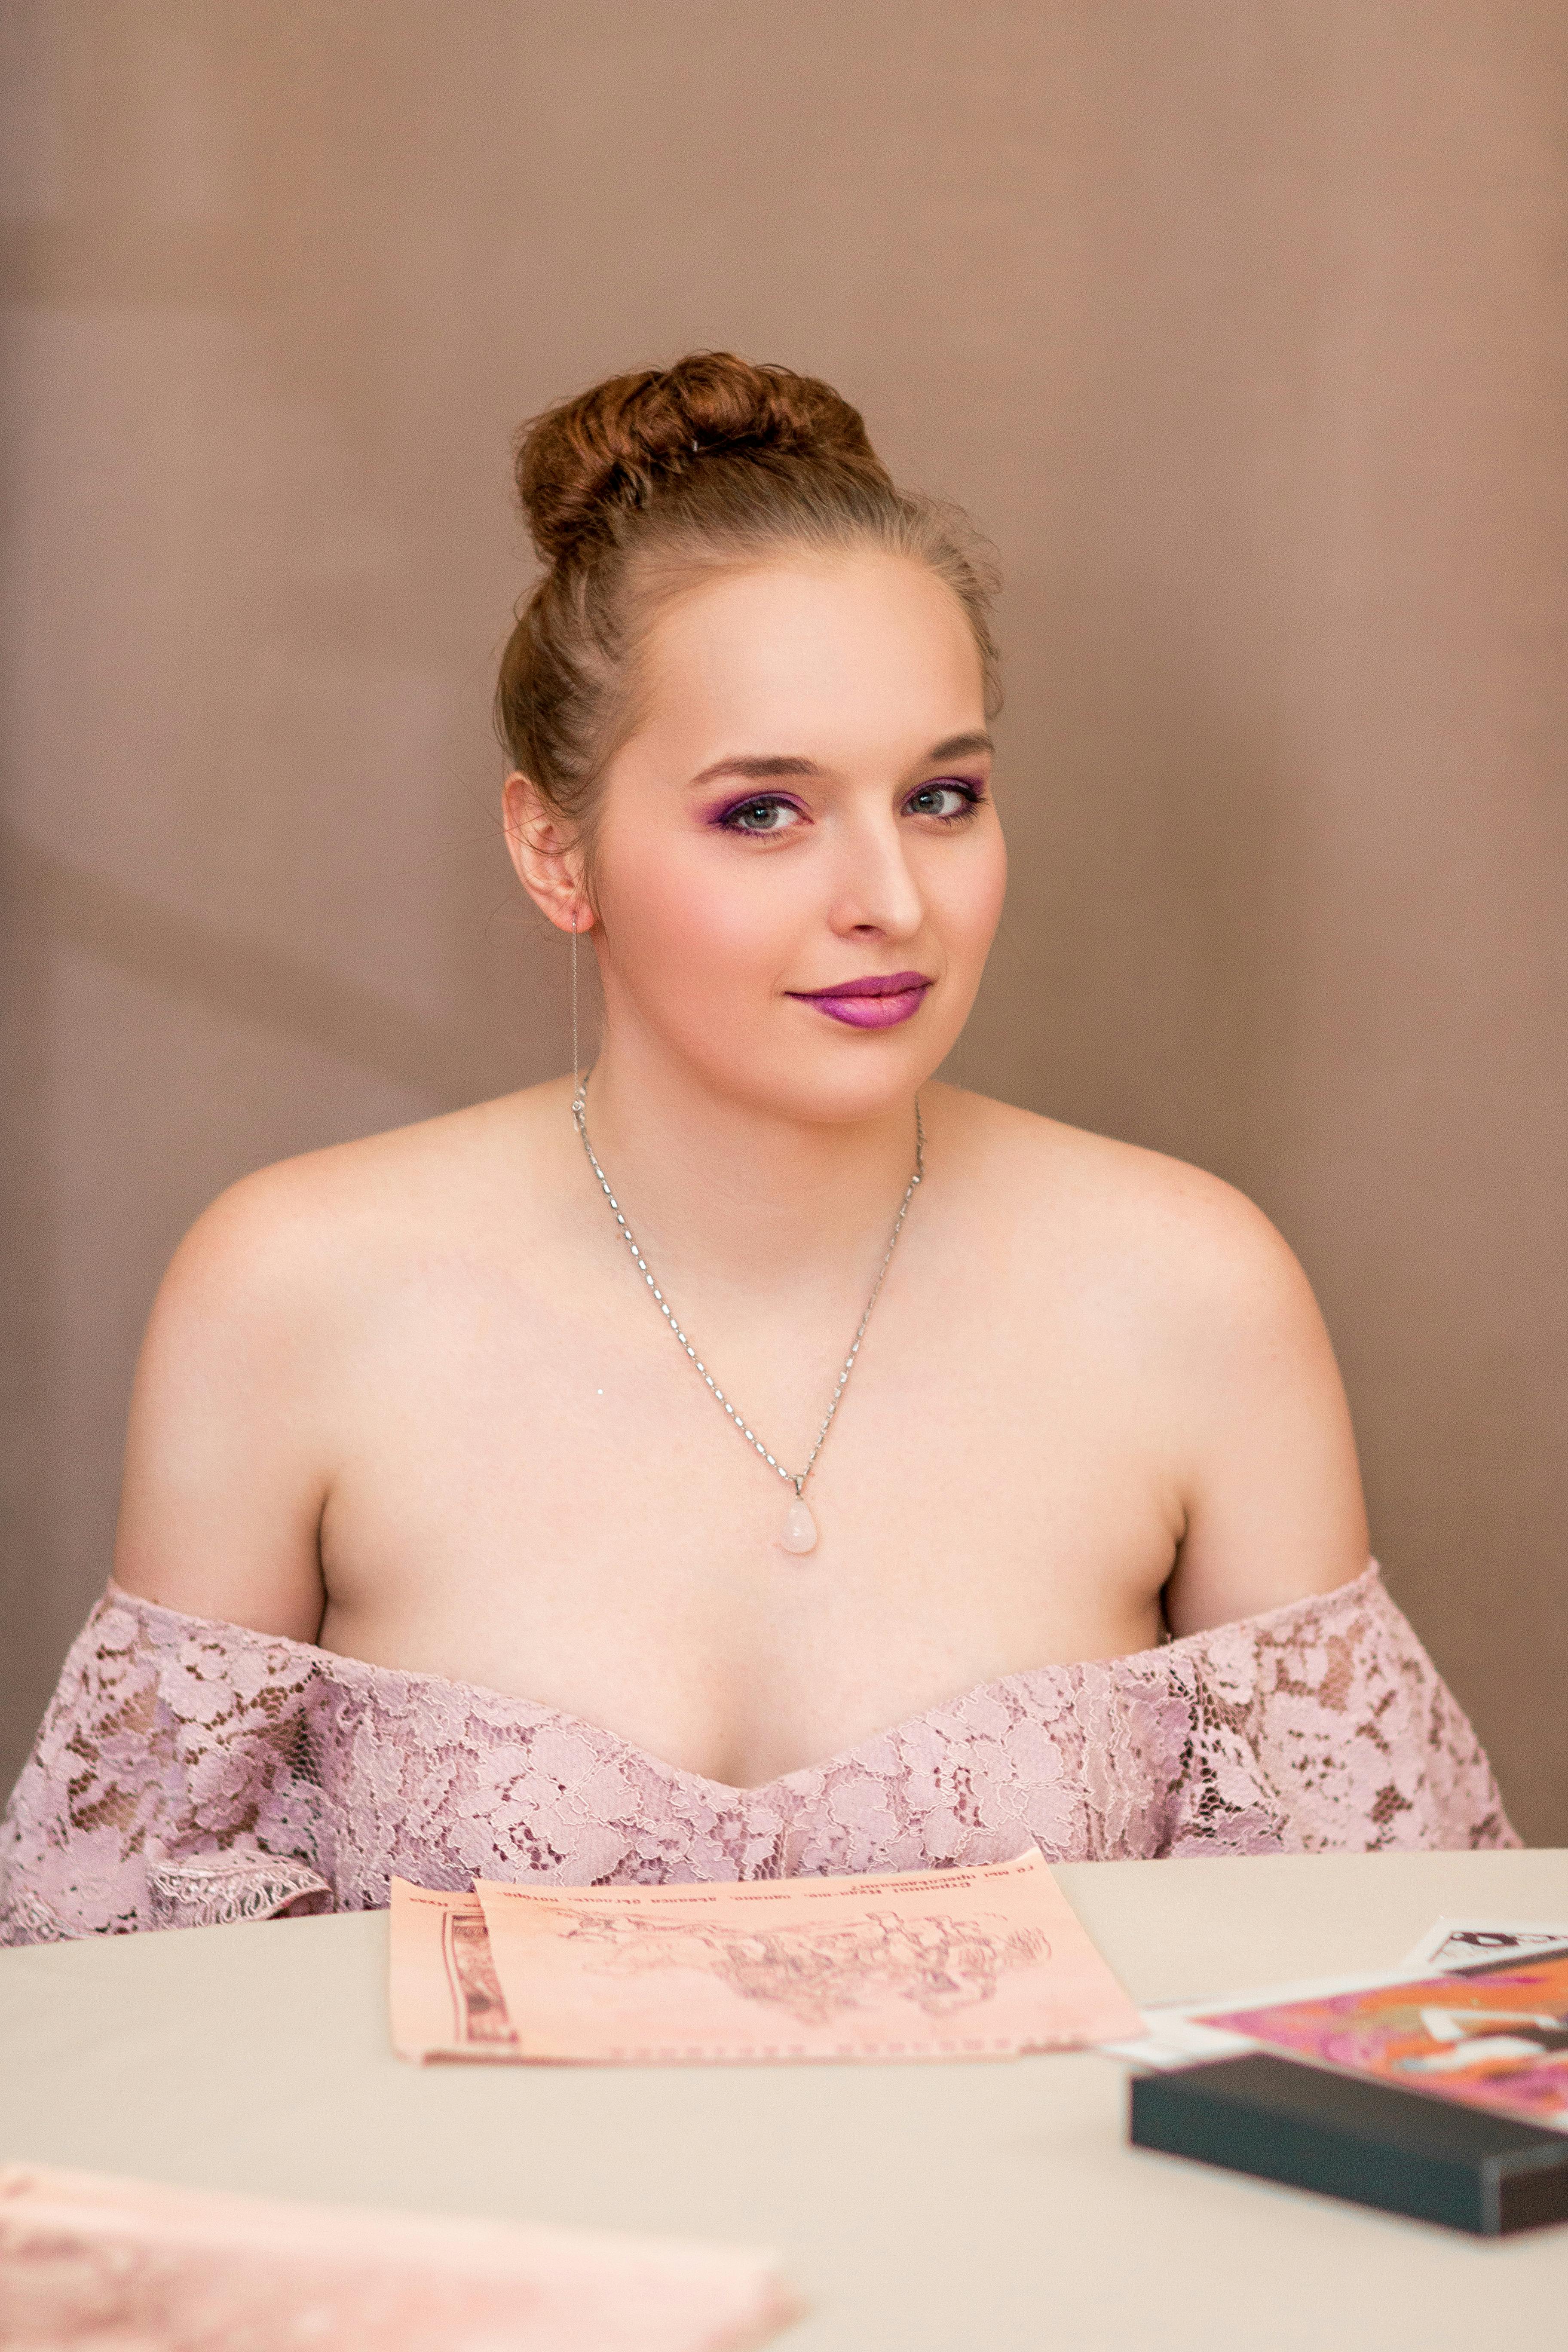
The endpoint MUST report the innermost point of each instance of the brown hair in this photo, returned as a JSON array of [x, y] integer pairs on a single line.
[[648, 482]]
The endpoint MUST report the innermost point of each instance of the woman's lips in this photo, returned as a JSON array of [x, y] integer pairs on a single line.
[[877, 1001]]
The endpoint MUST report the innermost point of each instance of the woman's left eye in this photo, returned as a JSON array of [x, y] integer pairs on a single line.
[[945, 801]]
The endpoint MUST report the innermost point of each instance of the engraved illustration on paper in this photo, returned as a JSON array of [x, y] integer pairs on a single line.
[[940, 1964]]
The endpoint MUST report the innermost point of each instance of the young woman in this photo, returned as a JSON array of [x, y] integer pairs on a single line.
[[761, 1458]]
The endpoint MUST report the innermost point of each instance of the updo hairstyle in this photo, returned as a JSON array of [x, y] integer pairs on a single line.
[[639, 489]]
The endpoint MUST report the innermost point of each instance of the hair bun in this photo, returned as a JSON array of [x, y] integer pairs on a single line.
[[582, 461]]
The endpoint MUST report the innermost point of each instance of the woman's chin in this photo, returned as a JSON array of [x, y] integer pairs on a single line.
[[882, 1076]]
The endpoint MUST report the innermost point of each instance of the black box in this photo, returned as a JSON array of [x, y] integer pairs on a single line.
[[1406, 2151]]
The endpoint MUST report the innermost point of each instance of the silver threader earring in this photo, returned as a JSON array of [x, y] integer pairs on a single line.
[[576, 1064]]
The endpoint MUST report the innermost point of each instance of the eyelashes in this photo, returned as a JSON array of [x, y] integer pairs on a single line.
[[763, 805], [969, 797], [763, 815]]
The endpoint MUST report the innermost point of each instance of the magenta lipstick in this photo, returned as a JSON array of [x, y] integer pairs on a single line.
[[880, 1001]]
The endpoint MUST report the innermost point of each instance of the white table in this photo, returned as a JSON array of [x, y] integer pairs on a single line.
[[981, 2208]]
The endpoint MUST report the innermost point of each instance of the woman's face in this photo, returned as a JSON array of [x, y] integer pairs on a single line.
[[798, 866]]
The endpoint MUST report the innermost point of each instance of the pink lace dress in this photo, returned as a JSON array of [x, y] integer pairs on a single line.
[[190, 1771]]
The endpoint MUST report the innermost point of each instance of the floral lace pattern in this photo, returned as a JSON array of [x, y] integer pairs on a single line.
[[189, 1770]]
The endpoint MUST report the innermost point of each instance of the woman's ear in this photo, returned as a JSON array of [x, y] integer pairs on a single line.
[[544, 852]]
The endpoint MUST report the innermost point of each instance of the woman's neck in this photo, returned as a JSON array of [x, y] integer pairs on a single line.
[[750, 1195]]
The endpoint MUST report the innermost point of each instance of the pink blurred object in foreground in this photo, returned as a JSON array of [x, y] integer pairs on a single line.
[[129, 2266]]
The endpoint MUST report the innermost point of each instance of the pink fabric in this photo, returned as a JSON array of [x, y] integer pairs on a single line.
[[91, 2261], [189, 1771]]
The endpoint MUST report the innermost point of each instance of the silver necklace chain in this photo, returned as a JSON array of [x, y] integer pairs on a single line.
[[796, 1478]]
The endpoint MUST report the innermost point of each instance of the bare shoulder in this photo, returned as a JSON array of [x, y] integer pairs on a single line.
[[1176, 1235], [259, 1320], [303, 1233], [1197, 1316]]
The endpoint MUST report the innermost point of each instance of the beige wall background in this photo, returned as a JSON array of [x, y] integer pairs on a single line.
[[1241, 325]]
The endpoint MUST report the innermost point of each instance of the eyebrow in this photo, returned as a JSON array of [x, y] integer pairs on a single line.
[[960, 747], [761, 767], [757, 767]]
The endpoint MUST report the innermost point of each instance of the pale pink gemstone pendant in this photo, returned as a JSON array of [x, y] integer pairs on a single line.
[[799, 1531]]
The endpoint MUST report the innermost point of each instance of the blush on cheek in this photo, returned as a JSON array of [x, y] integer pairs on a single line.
[[965, 898], [697, 954]]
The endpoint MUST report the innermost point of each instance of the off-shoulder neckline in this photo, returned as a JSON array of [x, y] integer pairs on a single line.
[[336, 1664]]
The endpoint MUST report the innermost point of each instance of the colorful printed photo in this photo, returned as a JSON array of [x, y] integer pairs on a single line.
[[1494, 2036]]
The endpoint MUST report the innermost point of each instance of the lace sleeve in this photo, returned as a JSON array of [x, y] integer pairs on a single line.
[[1328, 1729], [139, 1807]]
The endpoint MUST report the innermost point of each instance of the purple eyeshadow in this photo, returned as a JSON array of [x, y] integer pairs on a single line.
[[749, 800]]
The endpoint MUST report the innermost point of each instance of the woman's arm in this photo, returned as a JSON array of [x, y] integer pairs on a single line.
[[226, 1468], [1271, 1490]]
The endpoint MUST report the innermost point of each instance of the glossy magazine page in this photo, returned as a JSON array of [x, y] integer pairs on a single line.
[[1493, 2035]]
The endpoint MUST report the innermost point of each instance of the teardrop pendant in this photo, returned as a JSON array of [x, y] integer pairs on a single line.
[[799, 1531]]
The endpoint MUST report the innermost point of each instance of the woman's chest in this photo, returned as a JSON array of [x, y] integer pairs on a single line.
[[553, 1501]]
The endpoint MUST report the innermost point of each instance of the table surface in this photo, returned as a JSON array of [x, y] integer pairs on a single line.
[[961, 2208]]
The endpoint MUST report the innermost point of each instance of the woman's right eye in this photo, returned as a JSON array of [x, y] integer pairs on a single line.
[[764, 814]]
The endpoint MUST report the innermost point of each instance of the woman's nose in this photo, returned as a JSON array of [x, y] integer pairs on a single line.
[[875, 889]]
